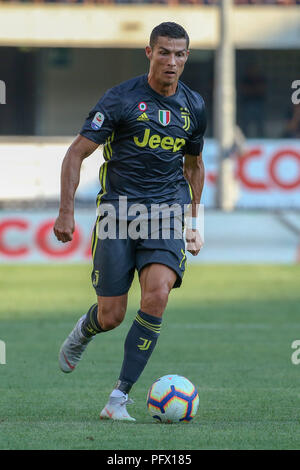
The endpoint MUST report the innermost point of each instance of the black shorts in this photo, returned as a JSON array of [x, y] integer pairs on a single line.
[[115, 261]]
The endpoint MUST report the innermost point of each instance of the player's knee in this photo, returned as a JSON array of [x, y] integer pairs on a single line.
[[155, 300], [110, 318]]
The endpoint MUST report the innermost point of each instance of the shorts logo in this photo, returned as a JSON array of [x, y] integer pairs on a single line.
[[95, 278], [183, 257], [164, 117], [142, 106], [97, 121]]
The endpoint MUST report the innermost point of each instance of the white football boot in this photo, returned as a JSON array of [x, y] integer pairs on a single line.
[[116, 409], [71, 350]]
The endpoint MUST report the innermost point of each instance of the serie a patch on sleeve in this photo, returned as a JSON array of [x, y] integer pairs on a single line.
[[97, 121]]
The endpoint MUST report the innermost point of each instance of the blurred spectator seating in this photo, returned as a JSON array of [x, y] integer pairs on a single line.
[[292, 128]]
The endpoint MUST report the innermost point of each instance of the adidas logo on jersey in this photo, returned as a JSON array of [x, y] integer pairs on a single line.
[[143, 117]]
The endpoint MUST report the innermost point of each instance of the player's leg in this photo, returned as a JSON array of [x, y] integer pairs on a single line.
[[112, 275], [161, 265], [156, 281], [106, 315], [103, 316]]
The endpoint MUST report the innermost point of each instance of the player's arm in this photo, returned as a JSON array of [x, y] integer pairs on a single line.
[[70, 175], [194, 173]]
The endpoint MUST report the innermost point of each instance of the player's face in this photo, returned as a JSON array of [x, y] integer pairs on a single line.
[[167, 60]]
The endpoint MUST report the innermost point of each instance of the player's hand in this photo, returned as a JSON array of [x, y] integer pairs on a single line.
[[194, 241], [64, 228]]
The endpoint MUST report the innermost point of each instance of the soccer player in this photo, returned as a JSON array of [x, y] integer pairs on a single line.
[[152, 129]]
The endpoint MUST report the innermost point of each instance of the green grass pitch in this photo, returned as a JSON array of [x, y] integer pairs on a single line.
[[229, 329]]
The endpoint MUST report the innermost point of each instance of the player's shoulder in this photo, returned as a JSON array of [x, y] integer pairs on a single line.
[[129, 86], [194, 98], [117, 98]]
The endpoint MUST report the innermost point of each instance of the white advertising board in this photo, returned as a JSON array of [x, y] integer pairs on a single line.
[[268, 172]]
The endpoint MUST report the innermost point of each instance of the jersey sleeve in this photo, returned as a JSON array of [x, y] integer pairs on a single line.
[[195, 144], [103, 118]]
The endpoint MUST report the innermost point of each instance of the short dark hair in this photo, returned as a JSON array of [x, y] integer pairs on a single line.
[[170, 30]]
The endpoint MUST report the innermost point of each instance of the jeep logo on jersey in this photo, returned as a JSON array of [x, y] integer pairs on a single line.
[[154, 141], [97, 121], [164, 117]]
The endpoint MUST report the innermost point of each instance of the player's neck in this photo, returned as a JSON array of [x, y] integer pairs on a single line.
[[161, 88]]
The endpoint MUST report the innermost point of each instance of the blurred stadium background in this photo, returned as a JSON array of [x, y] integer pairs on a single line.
[[58, 58]]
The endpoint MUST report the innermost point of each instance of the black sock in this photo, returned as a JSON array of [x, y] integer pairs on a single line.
[[139, 345], [90, 325]]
